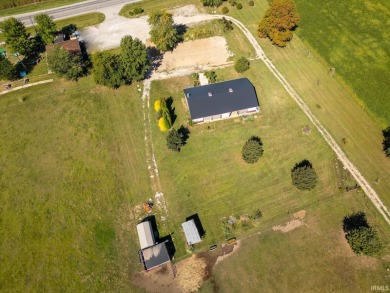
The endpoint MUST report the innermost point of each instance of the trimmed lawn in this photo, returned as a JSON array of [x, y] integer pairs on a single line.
[[209, 177], [313, 258], [72, 169]]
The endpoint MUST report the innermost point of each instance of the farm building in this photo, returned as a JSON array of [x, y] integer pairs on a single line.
[[145, 234], [154, 256], [221, 100], [191, 232]]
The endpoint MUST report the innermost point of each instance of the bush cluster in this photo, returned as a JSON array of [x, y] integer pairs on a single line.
[[136, 11], [225, 10], [251, 3], [239, 6], [241, 65]]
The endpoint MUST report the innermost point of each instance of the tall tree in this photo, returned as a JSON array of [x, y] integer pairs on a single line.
[[134, 59], [107, 69], [7, 70], [163, 32], [279, 21], [46, 27], [65, 64], [212, 2], [175, 140], [17, 37]]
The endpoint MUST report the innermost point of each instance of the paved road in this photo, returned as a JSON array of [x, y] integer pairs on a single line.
[[71, 10]]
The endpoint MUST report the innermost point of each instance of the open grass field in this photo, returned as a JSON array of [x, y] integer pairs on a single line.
[[209, 177], [354, 38], [312, 258], [329, 101], [10, 7], [72, 168]]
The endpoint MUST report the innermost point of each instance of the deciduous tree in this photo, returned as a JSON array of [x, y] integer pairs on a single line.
[[241, 65], [134, 59], [17, 37], [7, 70], [279, 21], [216, 3], [107, 69], [386, 141], [46, 27], [65, 64], [163, 32]]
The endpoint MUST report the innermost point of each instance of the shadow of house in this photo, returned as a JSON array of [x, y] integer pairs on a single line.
[[169, 244]]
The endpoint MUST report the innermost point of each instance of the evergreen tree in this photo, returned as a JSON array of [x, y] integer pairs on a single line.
[[241, 65], [174, 140], [252, 150], [304, 176], [46, 27], [134, 59], [163, 32], [279, 21], [17, 38]]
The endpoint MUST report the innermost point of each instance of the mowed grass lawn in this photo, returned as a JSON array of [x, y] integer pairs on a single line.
[[354, 38], [72, 169], [210, 178], [329, 101], [312, 258]]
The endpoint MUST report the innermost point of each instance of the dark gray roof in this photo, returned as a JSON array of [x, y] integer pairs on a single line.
[[155, 256], [201, 104]]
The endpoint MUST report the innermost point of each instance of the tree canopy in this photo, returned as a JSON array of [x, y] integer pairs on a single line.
[[7, 70], [107, 69], [361, 237], [65, 64], [16, 37], [163, 32], [241, 65], [216, 3], [134, 58], [304, 176], [279, 21], [386, 141], [175, 140], [252, 150], [46, 27]]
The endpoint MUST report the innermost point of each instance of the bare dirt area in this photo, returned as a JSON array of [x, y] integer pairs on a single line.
[[196, 53], [191, 272], [293, 224]]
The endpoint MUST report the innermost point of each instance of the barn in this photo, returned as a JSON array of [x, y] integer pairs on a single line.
[[221, 100]]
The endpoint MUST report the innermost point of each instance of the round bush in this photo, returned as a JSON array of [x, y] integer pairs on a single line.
[[303, 176], [225, 10], [232, 2], [252, 150], [157, 105], [251, 3], [163, 124], [241, 65], [239, 6]]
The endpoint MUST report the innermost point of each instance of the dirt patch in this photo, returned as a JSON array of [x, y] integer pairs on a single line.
[[293, 224], [191, 273], [193, 54]]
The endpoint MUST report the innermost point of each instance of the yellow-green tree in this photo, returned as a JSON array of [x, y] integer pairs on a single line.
[[279, 21]]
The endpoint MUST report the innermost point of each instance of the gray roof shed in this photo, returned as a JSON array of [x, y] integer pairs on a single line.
[[191, 232]]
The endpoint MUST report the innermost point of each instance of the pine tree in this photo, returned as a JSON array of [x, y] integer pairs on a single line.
[[174, 140], [304, 176], [252, 150]]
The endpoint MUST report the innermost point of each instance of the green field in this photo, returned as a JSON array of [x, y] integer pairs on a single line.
[[312, 258], [354, 38], [11, 7], [70, 175]]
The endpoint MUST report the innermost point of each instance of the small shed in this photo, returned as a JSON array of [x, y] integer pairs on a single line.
[[145, 234], [154, 256], [191, 232]]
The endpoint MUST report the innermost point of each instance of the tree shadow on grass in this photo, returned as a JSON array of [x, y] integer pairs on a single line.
[[303, 164], [185, 133], [355, 221], [171, 110]]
